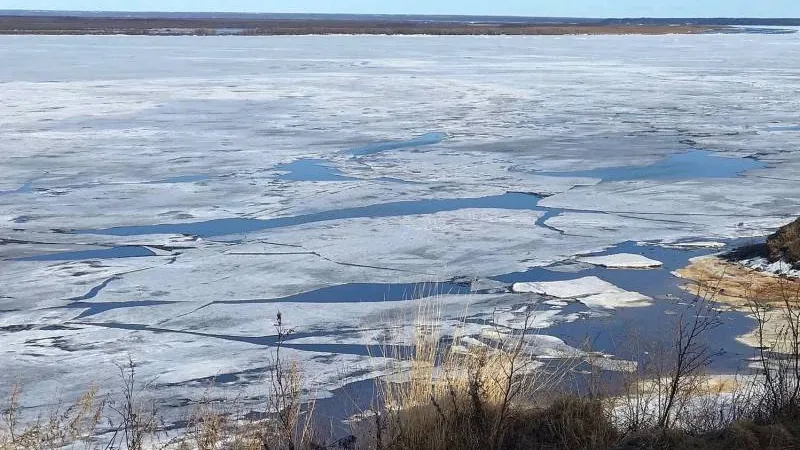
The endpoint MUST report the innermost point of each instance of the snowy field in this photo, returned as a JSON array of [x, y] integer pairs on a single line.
[[164, 197]]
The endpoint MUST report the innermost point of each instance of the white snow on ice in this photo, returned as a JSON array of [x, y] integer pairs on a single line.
[[591, 291], [694, 244], [622, 261]]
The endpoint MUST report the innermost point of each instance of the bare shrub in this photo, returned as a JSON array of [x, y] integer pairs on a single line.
[[668, 387], [72, 427], [691, 355], [208, 426], [778, 338], [284, 423], [288, 427], [134, 418]]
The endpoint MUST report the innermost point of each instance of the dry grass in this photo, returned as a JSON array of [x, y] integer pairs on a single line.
[[470, 394], [466, 394], [72, 427]]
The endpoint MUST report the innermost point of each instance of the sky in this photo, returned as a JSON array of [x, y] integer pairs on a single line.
[[551, 8]]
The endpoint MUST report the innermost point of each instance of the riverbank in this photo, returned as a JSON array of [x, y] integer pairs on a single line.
[[770, 298], [37, 25]]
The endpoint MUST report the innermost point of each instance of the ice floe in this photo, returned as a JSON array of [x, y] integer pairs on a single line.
[[694, 244], [622, 261], [591, 291]]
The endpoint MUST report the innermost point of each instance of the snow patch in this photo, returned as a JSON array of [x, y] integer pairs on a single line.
[[693, 245], [622, 261], [778, 267], [613, 300]]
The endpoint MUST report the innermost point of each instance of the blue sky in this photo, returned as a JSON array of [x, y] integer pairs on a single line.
[[572, 8]]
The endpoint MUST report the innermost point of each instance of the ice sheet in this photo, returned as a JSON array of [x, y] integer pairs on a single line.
[[153, 131]]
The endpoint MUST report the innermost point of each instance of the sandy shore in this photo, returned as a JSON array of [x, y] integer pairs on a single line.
[[776, 299]]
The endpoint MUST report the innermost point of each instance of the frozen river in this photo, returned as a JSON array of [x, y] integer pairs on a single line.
[[164, 197]]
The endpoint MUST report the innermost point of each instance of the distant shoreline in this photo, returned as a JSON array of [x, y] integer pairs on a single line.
[[172, 26], [233, 24]]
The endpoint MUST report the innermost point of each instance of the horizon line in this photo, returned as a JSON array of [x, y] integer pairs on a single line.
[[65, 11]]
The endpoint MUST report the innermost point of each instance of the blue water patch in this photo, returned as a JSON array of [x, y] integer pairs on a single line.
[[365, 292], [649, 324], [784, 128], [629, 332], [549, 214], [652, 282], [92, 309], [183, 179], [332, 413], [378, 147], [128, 251], [689, 165], [310, 170], [24, 189], [95, 291], [394, 351], [224, 227]]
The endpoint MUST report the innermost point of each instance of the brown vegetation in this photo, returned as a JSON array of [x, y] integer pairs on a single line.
[[785, 244], [269, 27]]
